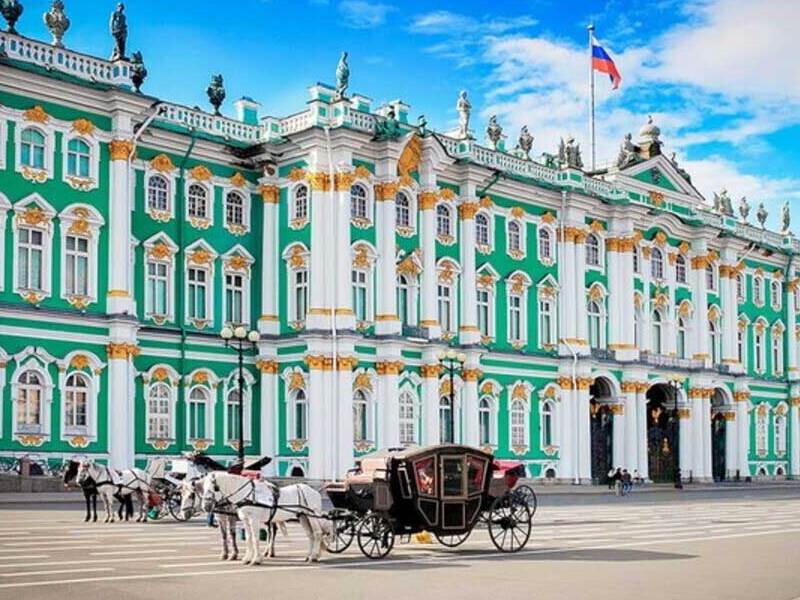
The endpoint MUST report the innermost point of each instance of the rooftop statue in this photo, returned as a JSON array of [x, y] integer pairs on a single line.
[[12, 10], [342, 77], [57, 22], [761, 215], [388, 128], [786, 218], [494, 132], [744, 209], [216, 92], [525, 142], [119, 30], [422, 124], [569, 154], [722, 203], [138, 71], [463, 107], [628, 152]]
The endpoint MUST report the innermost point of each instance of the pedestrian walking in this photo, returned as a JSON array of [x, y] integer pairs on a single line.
[[627, 482], [617, 478], [636, 477], [610, 478]]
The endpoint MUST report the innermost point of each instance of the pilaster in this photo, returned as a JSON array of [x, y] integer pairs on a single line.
[[345, 363], [267, 365], [429, 317], [269, 322], [121, 351], [685, 439], [731, 442], [471, 373], [741, 400], [618, 434], [389, 367], [629, 423], [321, 270], [468, 331], [318, 433], [729, 304], [121, 147], [343, 181], [792, 366], [386, 319], [794, 431], [430, 371], [700, 332]]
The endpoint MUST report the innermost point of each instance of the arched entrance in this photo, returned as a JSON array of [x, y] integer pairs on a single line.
[[718, 426], [662, 433], [602, 432]]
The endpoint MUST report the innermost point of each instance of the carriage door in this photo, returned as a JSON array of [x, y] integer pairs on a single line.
[[454, 491]]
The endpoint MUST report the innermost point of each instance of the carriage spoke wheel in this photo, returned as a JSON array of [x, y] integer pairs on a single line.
[[375, 536], [452, 540], [524, 494], [343, 531], [174, 505], [509, 524]]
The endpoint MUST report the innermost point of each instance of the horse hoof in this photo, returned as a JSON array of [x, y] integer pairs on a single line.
[[86, 520], [223, 557], [233, 557], [95, 519]]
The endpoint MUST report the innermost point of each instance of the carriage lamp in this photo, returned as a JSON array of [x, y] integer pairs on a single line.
[[242, 342], [452, 361]]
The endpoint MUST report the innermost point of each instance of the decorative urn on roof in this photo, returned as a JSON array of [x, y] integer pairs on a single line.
[[494, 132], [12, 10], [649, 142], [216, 92], [138, 71], [525, 142], [57, 22]]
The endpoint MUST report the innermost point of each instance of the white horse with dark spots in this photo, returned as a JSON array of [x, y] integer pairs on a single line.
[[191, 490], [260, 503], [109, 484]]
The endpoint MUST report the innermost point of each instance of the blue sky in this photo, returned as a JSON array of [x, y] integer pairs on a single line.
[[719, 76]]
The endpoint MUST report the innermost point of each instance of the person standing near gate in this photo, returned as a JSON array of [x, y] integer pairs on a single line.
[[627, 482], [617, 478]]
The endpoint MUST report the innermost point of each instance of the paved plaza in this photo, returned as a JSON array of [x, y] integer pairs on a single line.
[[732, 545]]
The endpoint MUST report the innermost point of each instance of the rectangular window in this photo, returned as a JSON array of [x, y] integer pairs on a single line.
[[483, 312], [77, 266], [157, 286], [30, 253], [300, 295], [515, 317], [234, 298], [445, 304], [197, 420], [198, 294], [359, 280], [545, 323]]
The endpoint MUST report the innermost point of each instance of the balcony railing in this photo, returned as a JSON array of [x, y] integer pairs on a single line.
[[673, 362]]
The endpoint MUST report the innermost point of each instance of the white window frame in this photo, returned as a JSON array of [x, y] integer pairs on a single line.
[[291, 414], [232, 386], [492, 402], [657, 266], [200, 222], [296, 253], [45, 399], [515, 279], [490, 310], [779, 422], [244, 194], [208, 414], [169, 262], [488, 247], [661, 327], [715, 340], [741, 342], [452, 237], [299, 219], [409, 392], [448, 268], [760, 347], [741, 288], [776, 299], [412, 289], [411, 228], [155, 213], [546, 259], [776, 349], [553, 431], [5, 206], [49, 149], [547, 293], [73, 218], [231, 266], [77, 182], [210, 284], [681, 326], [637, 259], [712, 277], [759, 292], [368, 218], [600, 315], [526, 425], [34, 201], [600, 251], [680, 266], [762, 429], [172, 399], [370, 416]]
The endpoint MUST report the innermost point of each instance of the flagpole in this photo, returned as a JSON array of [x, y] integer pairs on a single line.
[[591, 87]]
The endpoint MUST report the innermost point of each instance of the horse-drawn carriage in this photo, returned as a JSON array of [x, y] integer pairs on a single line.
[[446, 490]]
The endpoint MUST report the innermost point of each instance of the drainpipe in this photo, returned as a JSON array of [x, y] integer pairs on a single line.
[[334, 296]]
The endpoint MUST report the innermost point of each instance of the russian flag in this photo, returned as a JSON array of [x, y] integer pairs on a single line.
[[602, 62]]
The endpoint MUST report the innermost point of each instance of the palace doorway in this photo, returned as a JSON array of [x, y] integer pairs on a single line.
[[718, 441], [602, 429], [662, 434]]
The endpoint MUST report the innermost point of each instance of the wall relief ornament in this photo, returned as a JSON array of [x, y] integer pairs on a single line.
[[238, 180], [83, 126], [120, 149], [36, 114], [200, 173], [162, 163]]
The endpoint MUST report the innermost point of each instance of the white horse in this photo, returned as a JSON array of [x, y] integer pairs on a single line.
[[191, 489], [260, 502], [109, 484]]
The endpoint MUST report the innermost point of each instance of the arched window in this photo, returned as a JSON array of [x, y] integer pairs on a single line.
[[360, 418], [159, 411], [681, 338], [485, 422], [740, 287], [76, 403], [30, 396], [759, 349], [234, 209], [358, 202], [518, 424], [777, 352], [655, 342], [657, 264], [198, 405], [32, 148], [680, 269], [595, 314], [232, 411], [545, 241], [636, 259], [300, 416], [408, 419], [741, 347], [761, 429], [402, 207], [775, 294], [300, 204], [547, 424], [592, 250], [444, 226], [481, 229], [711, 278], [197, 205], [714, 341], [445, 423], [758, 290], [79, 156], [158, 193], [780, 435]]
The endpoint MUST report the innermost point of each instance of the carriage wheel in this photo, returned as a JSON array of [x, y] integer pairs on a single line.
[[509, 524], [174, 506], [343, 533], [375, 536], [524, 494], [452, 540]]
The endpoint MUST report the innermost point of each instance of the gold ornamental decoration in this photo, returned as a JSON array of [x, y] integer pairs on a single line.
[[343, 181], [35, 216], [447, 194], [200, 257], [486, 203], [319, 181], [162, 163], [447, 272], [78, 441], [120, 149], [29, 439], [386, 190], [518, 392], [296, 381], [410, 156], [597, 226], [363, 381], [315, 362], [238, 180], [296, 174], [657, 198], [361, 258], [548, 218], [267, 367], [83, 126], [36, 114], [471, 374], [270, 194], [518, 212], [518, 283], [160, 374], [200, 173], [362, 172], [430, 371], [121, 351], [159, 251], [467, 210], [237, 263], [79, 362], [200, 377], [427, 200], [389, 367]]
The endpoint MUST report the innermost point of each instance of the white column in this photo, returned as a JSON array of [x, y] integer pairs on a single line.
[[618, 453], [386, 319], [430, 398], [731, 443], [344, 415], [626, 305], [566, 426], [706, 425], [317, 430], [119, 295], [630, 420], [581, 314], [730, 308], [121, 416], [685, 440], [792, 366], [794, 432], [700, 349], [321, 274], [345, 317], [470, 374], [614, 270], [647, 304], [268, 322], [468, 331], [389, 410], [566, 298], [641, 430], [583, 430], [429, 318], [268, 395], [670, 333], [742, 399]]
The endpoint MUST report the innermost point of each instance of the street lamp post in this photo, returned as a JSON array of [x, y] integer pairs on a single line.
[[452, 362], [675, 385], [241, 341]]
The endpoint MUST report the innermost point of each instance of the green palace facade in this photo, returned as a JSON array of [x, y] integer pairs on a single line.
[[606, 318]]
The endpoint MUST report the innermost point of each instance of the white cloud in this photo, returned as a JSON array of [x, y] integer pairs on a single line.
[[450, 23], [360, 14]]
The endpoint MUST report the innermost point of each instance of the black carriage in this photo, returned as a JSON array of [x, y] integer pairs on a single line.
[[446, 490]]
